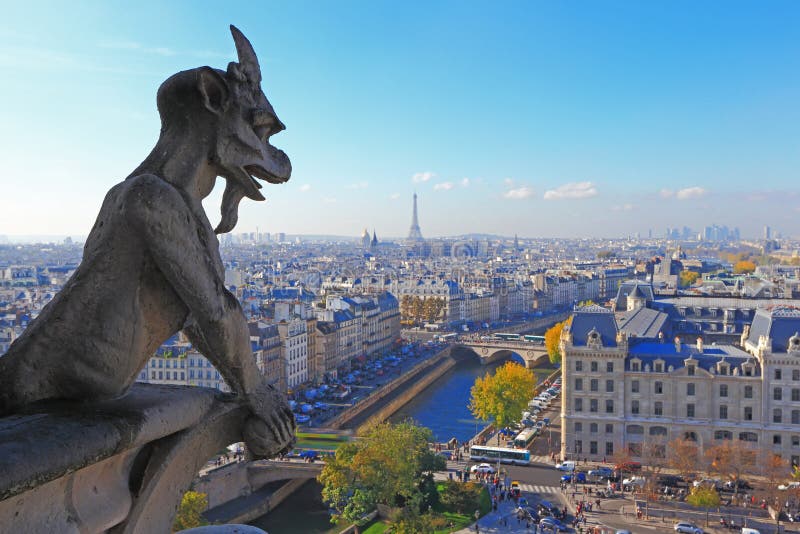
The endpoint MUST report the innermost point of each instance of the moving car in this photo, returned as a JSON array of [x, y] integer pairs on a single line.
[[515, 490], [481, 468], [579, 477], [687, 528], [633, 481], [566, 465]]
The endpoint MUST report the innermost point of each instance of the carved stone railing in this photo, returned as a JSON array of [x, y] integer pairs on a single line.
[[120, 466]]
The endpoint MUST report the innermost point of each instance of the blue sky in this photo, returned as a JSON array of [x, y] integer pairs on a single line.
[[531, 118]]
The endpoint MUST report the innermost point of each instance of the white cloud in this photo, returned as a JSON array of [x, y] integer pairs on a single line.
[[359, 185], [305, 188], [329, 200], [444, 186], [666, 193], [518, 193], [623, 207], [572, 190], [421, 177], [465, 182], [690, 192], [508, 182], [394, 196]]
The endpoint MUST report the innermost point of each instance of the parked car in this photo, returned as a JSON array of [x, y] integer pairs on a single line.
[[546, 508], [633, 481], [670, 480], [712, 482], [515, 490], [601, 472], [687, 528], [567, 465], [790, 485], [741, 484], [552, 524]]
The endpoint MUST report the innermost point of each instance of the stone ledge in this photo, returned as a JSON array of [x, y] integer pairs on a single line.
[[121, 464]]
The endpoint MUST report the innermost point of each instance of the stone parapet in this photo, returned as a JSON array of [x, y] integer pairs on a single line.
[[120, 466]]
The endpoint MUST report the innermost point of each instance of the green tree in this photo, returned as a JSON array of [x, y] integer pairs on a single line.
[[552, 340], [502, 397], [385, 466], [190, 511], [704, 496], [744, 267]]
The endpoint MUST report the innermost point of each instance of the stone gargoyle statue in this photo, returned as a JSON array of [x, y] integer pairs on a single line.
[[151, 264]]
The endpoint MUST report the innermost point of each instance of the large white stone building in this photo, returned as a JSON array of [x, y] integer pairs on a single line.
[[636, 395]]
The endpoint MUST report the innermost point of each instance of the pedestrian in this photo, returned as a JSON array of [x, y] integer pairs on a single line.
[[597, 502]]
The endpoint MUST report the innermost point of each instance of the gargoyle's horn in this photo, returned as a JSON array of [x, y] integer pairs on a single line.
[[247, 56]]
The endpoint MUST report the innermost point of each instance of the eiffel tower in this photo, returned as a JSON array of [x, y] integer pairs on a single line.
[[415, 234]]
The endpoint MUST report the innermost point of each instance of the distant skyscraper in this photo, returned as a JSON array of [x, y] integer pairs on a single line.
[[767, 232], [415, 234]]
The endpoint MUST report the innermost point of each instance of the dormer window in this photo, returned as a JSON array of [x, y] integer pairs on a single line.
[[794, 343], [636, 366], [659, 367], [690, 369], [593, 339]]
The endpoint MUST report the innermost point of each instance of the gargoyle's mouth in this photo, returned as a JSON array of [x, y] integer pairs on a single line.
[[275, 168]]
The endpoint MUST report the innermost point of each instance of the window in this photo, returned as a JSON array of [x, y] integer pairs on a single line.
[[594, 367], [690, 410], [161, 375], [690, 370], [658, 408], [635, 449], [796, 417], [593, 428], [778, 374], [795, 374], [634, 386], [578, 366], [578, 446], [723, 434], [795, 441], [593, 405], [609, 429], [609, 406], [592, 447], [776, 439], [723, 412], [658, 431], [578, 405], [748, 436], [690, 390], [635, 367], [748, 392], [748, 413], [659, 388], [579, 384], [593, 384], [609, 367], [659, 367], [777, 394], [723, 390], [777, 415], [578, 427], [795, 394], [635, 429], [152, 375], [635, 407], [609, 386], [609, 448]]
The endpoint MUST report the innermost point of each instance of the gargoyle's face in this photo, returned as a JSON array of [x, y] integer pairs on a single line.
[[243, 152]]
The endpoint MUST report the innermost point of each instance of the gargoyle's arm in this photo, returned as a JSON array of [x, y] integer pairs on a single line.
[[217, 324]]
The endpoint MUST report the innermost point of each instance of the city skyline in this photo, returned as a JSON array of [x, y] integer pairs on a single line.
[[533, 120]]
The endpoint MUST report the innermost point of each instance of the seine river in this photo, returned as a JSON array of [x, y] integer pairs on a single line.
[[442, 408]]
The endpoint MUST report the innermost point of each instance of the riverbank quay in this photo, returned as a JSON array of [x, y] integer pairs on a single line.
[[250, 503]]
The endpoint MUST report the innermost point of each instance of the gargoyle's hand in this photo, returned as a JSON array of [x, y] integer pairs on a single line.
[[271, 429]]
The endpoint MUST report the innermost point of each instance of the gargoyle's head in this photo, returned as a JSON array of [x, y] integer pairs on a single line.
[[228, 112]]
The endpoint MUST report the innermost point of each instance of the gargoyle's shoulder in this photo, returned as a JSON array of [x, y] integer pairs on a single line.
[[139, 196]]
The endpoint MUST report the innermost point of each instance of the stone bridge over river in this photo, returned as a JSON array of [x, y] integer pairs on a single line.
[[496, 350]]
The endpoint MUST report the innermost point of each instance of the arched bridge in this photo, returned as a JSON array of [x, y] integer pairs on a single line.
[[494, 350], [262, 472]]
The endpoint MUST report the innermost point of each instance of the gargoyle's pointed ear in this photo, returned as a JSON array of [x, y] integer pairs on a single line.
[[247, 56], [213, 89]]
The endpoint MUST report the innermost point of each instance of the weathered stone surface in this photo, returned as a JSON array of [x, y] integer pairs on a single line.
[[151, 267], [118, 466], [225, 529]]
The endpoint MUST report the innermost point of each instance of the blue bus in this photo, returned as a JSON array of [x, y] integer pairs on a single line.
[[481, 453]]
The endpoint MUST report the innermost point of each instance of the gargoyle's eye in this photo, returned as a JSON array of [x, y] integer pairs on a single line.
[[264, 123]]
